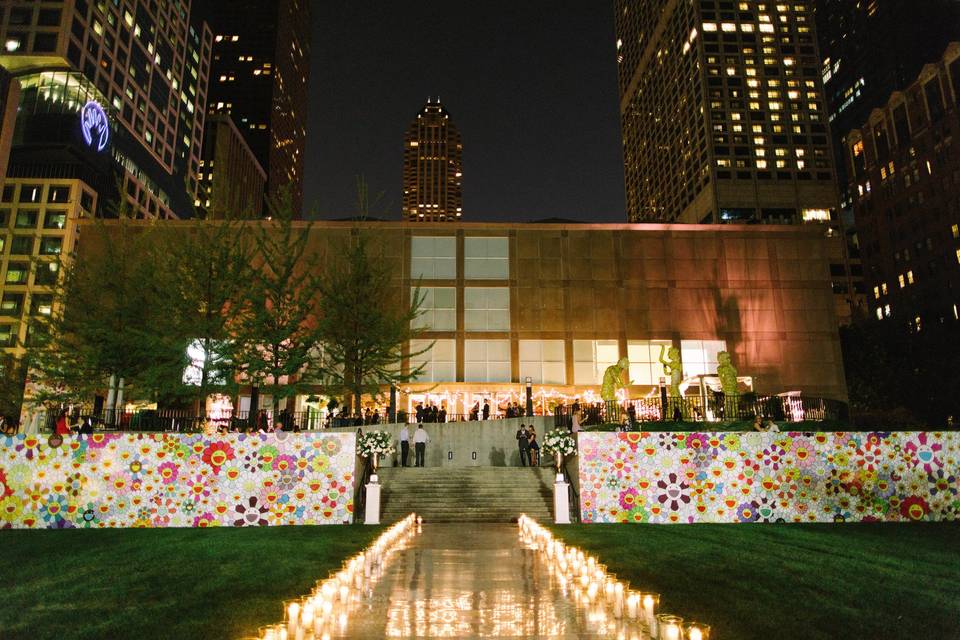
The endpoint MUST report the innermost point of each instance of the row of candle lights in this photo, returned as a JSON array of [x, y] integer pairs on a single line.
[[613, 607], [326, 611]]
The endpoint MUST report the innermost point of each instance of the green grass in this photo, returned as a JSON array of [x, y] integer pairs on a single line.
[[877, 581], [162, 583]]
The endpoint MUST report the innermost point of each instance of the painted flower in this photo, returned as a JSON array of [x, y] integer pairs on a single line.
[[924, 453], [10, 508], [250, 513], [55, 508], [773, 456], [331, 446], [205, 520], [941, 482], [99, 440], [672, 492], [748, 512], [217, 454], [5, 488], [628, 498], [168, 472], [914, 508]]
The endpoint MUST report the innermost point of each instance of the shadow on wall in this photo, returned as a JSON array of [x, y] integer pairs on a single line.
[[498, 458]]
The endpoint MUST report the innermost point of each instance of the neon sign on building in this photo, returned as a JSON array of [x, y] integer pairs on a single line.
[[94, 125]]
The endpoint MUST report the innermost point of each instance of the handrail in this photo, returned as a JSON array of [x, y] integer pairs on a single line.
[[572, 495], [360, 493]]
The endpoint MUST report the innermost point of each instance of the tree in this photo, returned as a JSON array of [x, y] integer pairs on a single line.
[[274, 328], [12, 378], [207, 269], [362, 328], [107, 322]]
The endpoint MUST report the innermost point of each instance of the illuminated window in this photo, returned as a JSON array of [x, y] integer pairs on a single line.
[[876, 293], [901, 280], [439, 309], [883, 288], [486, 308], [433, 258], [544, 361], [955, 230], [486, 258], [645, 366], [699, 357], [910, 277], [591, 359], [486, 360], [439, 363]]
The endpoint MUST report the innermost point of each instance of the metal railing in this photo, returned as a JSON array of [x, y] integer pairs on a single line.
[[695, 409]]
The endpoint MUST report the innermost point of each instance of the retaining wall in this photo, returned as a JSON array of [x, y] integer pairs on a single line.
[[176, 480], [769, 477]]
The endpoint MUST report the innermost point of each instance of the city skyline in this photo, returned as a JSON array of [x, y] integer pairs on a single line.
[[541, 144]]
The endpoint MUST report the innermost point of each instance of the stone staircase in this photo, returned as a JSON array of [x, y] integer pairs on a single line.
[[466, 494]]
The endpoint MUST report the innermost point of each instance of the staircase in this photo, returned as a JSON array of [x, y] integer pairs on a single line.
[[466, 494]]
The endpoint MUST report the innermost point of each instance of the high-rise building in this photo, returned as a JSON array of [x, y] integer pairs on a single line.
[[722, 112], [870, 49], [723, 120], [259, 76], [433, 167], [110, 112], [232, 179], [904, 168]]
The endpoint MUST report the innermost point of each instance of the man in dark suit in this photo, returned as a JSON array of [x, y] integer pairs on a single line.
[[486, 410], [523, 444]]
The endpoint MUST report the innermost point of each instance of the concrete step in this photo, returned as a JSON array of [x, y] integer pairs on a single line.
[[469, 494]]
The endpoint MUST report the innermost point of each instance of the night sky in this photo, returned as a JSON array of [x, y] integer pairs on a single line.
[[532, 86]]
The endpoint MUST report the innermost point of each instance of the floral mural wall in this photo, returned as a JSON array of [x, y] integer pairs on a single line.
[[176, 480], [769, 477]]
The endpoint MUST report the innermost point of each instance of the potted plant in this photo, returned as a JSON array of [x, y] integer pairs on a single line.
[[560, 443], [373, 445]]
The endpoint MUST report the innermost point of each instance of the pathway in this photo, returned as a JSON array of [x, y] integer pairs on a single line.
[[468, 581]]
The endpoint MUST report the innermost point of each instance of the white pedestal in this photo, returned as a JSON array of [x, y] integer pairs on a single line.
[[561, 502], [372, 513]]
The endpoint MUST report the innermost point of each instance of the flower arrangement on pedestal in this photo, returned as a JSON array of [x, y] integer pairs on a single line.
[[373, 445], [560, 443]]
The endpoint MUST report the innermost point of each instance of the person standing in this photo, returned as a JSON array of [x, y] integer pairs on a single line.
[[404, 445], [486, 410], [522, 444], [62, 428], [533, 447], [420, 440]]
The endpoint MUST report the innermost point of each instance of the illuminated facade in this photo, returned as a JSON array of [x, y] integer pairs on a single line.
[[904, 167], [433, 167], [146, 67], [559, 303], [722, 112], [259, 78]]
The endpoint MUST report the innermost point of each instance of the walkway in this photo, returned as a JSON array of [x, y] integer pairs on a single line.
[[468, 581]]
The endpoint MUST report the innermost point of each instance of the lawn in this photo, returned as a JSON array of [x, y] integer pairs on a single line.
[[875, 581], [162, 583]]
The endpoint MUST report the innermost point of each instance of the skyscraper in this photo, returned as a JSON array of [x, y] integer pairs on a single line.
[[259, 76], [433, 167], [870, 49], [109, 109], [904, 169], [722, 112]]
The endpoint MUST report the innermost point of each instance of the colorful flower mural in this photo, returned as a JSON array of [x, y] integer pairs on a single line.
[[769, 477], [176, 480]]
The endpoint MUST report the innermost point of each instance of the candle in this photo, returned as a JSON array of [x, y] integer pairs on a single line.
[[633, 602], [695, 634], [344, 593], [293, 616], [650, 602], [669, 627], [698, 631]]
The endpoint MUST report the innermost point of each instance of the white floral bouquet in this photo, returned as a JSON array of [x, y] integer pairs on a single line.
[[375, 442], [560, 442]]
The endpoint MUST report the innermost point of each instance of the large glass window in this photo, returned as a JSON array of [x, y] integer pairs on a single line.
[[644, 355], [700, 356], [26, 220], [591, 359], [21, 246], [8, 335], [55, 220], [486, 308], [439, 309], [11, 304], [439, 363], [544, 361], [486, 360], [486, 258], [433, 258], [50, 246], [18, 272], [47, 273]]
